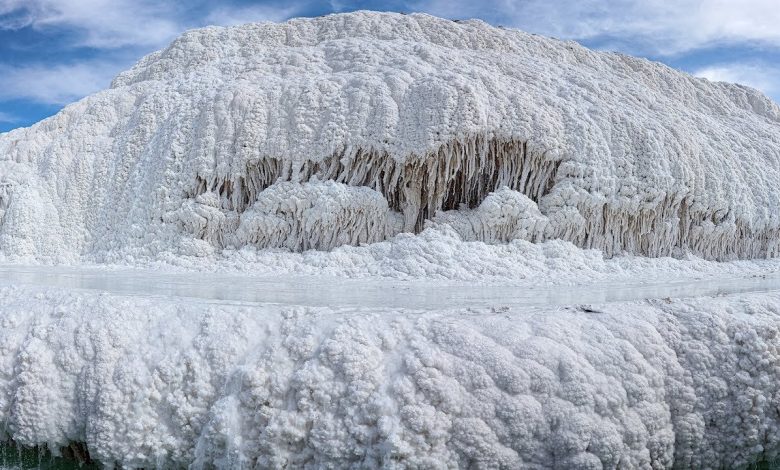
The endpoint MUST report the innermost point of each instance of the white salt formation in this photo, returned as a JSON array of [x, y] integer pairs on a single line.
[[413, 113], [167, 384], [295, 216], [504, 215], [449, 151]]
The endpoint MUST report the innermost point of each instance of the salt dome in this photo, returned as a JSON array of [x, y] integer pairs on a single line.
[[352, 128]]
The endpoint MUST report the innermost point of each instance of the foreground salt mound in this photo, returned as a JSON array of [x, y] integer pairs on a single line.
[[294, 216], [150, 383], [616, 153]]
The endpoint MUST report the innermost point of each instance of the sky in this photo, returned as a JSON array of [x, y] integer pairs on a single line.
[[54, 52]]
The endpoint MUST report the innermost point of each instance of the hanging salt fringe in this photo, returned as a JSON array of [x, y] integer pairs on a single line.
[[316, 216], [296, 216], [503, 216], [460, 174], [5, 199]]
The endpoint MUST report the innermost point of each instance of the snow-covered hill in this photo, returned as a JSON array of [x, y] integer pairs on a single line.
[[352, 128]]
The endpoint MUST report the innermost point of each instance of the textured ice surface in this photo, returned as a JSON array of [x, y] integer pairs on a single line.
[[146, 382], [429, 115]]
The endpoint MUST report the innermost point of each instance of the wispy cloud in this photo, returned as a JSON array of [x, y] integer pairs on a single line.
[[229, 16], [760, 76], [107, 24], [58, 84], [119, 31], [134, 26], [646, 26], [669, 30], [8, 118], [96, 23]]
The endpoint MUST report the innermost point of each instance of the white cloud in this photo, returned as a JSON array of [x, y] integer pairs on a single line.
[[148, 24], [634, 26], [96, 23], [225, 16], [338, 5], [649, 26], [59, 84], [644, 27], [759, 76], [8, 118], [137, 26]]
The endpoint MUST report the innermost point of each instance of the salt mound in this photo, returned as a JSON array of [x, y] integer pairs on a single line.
[[430, 116], [156, 383]]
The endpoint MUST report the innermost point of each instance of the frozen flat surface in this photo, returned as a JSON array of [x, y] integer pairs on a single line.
[[369, 293]]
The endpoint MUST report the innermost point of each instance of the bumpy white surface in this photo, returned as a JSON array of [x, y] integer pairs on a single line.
[[295, 216], [441, 253], [316, 216], [619, 153], [156, 383], [503, 216]]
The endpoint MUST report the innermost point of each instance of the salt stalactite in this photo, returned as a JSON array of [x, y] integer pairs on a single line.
[[203, 218], [5, 199], [462, 174], [503, 216], [295, 216], [316, 216], [670, 226], [457, 172]]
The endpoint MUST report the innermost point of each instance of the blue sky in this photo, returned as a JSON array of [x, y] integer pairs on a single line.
[[53, 52]]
